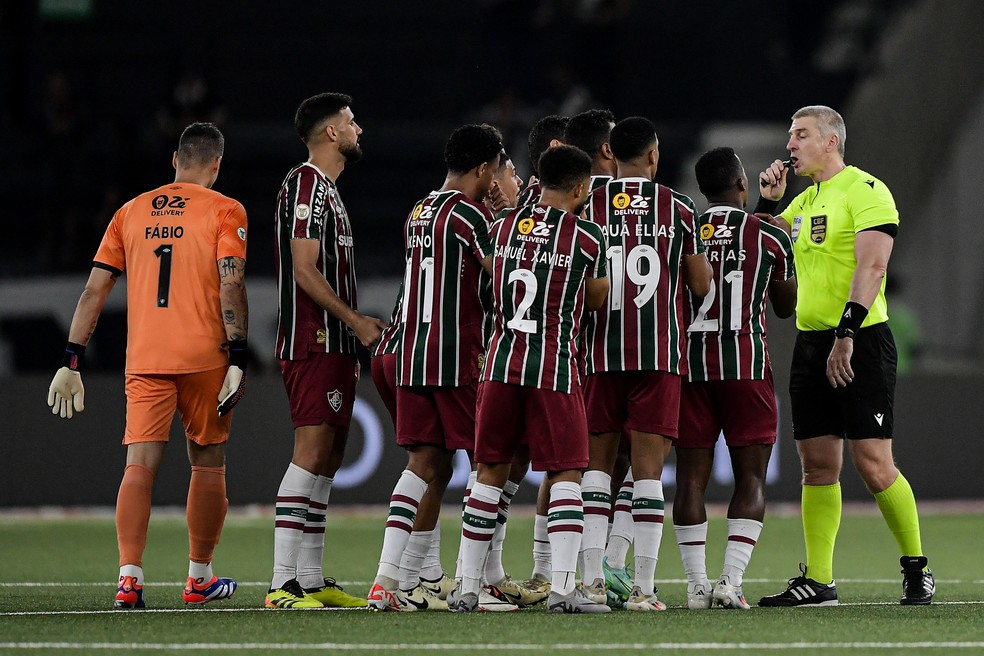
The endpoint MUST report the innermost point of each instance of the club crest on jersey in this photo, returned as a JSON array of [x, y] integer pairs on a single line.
[[818, 228], [241, 231], [302, 211], [335, 400]]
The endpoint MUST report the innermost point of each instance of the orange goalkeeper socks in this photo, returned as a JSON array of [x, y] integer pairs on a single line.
[[133, 513], [206, 511]]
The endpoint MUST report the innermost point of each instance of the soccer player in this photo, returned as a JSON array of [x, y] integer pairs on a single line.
[[183, 247], [441, 345], [842, 380], [318, 331], [729, 385], [590, 131], [634, 349], [547, 133], [548, 266]]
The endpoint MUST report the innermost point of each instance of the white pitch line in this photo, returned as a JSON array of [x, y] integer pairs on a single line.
[[349, 646]]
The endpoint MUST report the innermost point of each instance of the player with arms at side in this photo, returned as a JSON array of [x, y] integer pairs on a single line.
[[842, 379], [634, 350], [729, 387], [318, 331], [186, 351], [441, 342], [548, 266]]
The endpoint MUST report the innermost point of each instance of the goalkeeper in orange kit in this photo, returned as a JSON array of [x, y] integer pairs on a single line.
[[183, 248]]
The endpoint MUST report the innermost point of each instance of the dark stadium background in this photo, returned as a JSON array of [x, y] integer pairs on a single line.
[[89, 118]]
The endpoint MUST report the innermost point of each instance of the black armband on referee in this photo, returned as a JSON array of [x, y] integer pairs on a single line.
[[766, 206], [851, 320], [73, 356], [238, 353]]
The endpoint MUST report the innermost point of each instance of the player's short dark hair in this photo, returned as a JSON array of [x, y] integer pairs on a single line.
[[717, 171], [200, 144], [589, 130], [471, 145], [631, 137], [546, 130], [316, 109], [563, 167]]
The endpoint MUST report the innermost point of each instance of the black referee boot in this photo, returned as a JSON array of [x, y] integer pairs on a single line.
[[803, 591], [918, 585]]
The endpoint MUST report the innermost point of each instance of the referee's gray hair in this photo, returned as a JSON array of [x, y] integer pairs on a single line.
[[829, 122]]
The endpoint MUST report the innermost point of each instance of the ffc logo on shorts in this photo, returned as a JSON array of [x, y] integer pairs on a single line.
[[818, 228], [335, 400]]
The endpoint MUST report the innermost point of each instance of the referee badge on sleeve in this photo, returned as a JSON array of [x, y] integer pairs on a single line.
[[818, 228], [797, 225]]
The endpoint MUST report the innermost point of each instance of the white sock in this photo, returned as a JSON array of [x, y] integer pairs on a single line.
[[399, 524], [478, 524], [201, 572], [293, 498], [541, 548], [620, 537], [692, 541], [413, 559], [596, 494], [565, 524], [647, 513], [472, 477], [494, 572], [742, 536], [136, 571], [432, 570], [311, 556]]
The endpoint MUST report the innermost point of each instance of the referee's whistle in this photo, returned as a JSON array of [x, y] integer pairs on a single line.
[[786, 163]]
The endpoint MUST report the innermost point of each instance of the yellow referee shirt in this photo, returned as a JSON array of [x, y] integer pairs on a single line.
[[825, 218]]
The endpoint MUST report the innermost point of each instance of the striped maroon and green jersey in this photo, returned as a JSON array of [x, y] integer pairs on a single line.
[[446, 239], [309, 207], [389, 340], [726, 328], [650, 229], [530, 195], [599, 181], [541, 258]]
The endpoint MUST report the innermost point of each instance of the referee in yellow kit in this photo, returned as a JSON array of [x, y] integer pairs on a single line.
[[842, 381]]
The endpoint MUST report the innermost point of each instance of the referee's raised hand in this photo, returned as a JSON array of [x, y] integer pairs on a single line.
[[772, 181]]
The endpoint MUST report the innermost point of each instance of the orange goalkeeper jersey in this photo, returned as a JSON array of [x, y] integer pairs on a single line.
[[168, 242]]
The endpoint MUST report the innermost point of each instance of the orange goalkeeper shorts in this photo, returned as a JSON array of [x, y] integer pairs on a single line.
[[151, 400]]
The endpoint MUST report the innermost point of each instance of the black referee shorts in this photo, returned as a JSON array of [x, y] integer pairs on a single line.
[[863, 409]]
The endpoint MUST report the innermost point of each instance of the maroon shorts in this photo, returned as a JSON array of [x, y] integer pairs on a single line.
[[320, 388], [644, 401], [745, 410], [384, 375], [438, 416], [551, 422]]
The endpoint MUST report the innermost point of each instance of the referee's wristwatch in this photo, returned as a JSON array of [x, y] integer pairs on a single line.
[[842, 331]]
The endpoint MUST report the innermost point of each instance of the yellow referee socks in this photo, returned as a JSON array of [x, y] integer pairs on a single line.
[[898, 507], [821, 507]]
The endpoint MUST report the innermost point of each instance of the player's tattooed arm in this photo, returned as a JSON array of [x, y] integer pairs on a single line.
[[232, 297], [91, 302]]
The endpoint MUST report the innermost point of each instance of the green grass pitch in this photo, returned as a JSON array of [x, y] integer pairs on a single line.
[[57, 581]]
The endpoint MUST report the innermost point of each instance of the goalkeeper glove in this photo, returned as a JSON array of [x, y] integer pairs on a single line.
[[66, 394], [234, 385]]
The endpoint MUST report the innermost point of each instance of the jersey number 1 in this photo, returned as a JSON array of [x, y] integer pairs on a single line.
[[163, 253]]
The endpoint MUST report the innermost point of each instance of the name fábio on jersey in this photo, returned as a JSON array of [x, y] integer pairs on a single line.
[[163, 232], [640, 230]]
